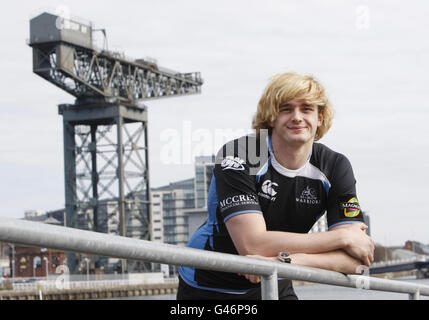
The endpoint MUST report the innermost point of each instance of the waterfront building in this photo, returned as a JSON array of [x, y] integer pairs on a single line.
[[321, 225], [174, 200], [204, 166], [24, 261], [180, 207]]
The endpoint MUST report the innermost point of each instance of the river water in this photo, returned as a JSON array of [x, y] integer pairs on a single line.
[[326, 292]]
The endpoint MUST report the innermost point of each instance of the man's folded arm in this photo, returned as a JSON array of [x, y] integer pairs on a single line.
[[250, 237]]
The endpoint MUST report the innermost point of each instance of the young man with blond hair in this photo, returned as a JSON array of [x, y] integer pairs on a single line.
[[269, 189]]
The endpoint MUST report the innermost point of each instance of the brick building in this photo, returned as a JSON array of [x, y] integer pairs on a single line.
[[35, 262], [29, 262]]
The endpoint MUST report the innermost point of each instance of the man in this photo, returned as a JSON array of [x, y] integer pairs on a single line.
[[267, 191]]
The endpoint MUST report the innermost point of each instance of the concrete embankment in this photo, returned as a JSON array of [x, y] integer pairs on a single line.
[[90, 293]]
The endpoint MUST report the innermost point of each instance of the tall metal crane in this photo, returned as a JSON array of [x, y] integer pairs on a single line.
[[106, 171], [63, 54]]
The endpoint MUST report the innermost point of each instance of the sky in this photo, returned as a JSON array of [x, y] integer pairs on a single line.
[[371, 56]]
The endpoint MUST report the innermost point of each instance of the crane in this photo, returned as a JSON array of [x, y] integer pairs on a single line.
[[63, 54], [106, 148]]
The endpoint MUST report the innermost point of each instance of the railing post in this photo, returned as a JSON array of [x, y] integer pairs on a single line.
[[414, 296], [269, 287]]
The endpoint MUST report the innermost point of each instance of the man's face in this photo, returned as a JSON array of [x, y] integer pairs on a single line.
[[297, 122]]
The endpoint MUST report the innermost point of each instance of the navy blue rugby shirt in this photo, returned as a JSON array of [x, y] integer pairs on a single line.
[[247, 178]]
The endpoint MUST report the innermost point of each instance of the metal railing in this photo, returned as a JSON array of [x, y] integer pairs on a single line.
[[75, 240], [52, 284]]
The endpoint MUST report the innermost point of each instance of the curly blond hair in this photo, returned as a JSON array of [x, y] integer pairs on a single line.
[[288, 86]]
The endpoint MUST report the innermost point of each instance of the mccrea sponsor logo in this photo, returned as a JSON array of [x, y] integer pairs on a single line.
[[308, 196], [238, 200]]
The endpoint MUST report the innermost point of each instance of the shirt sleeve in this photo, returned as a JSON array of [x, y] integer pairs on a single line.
[[343, 204], [235, 186]]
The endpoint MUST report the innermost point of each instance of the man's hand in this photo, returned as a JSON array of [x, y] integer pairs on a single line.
[[357, 243], [253, 278]]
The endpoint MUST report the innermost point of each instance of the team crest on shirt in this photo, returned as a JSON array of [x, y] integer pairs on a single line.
[[308, 196], [349, 205], [234, 163]]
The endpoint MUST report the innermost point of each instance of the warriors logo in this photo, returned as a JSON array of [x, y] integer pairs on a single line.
[[308, 196]]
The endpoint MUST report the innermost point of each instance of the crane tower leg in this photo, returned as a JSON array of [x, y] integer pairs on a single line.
[[107, 175]]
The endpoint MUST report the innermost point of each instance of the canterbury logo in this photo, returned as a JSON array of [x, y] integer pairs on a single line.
[[267, 188], [232, 163]]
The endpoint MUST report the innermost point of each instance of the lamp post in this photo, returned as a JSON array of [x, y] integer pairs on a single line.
[[12, 246], [34, 267], [47, 267], [87, 269]]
